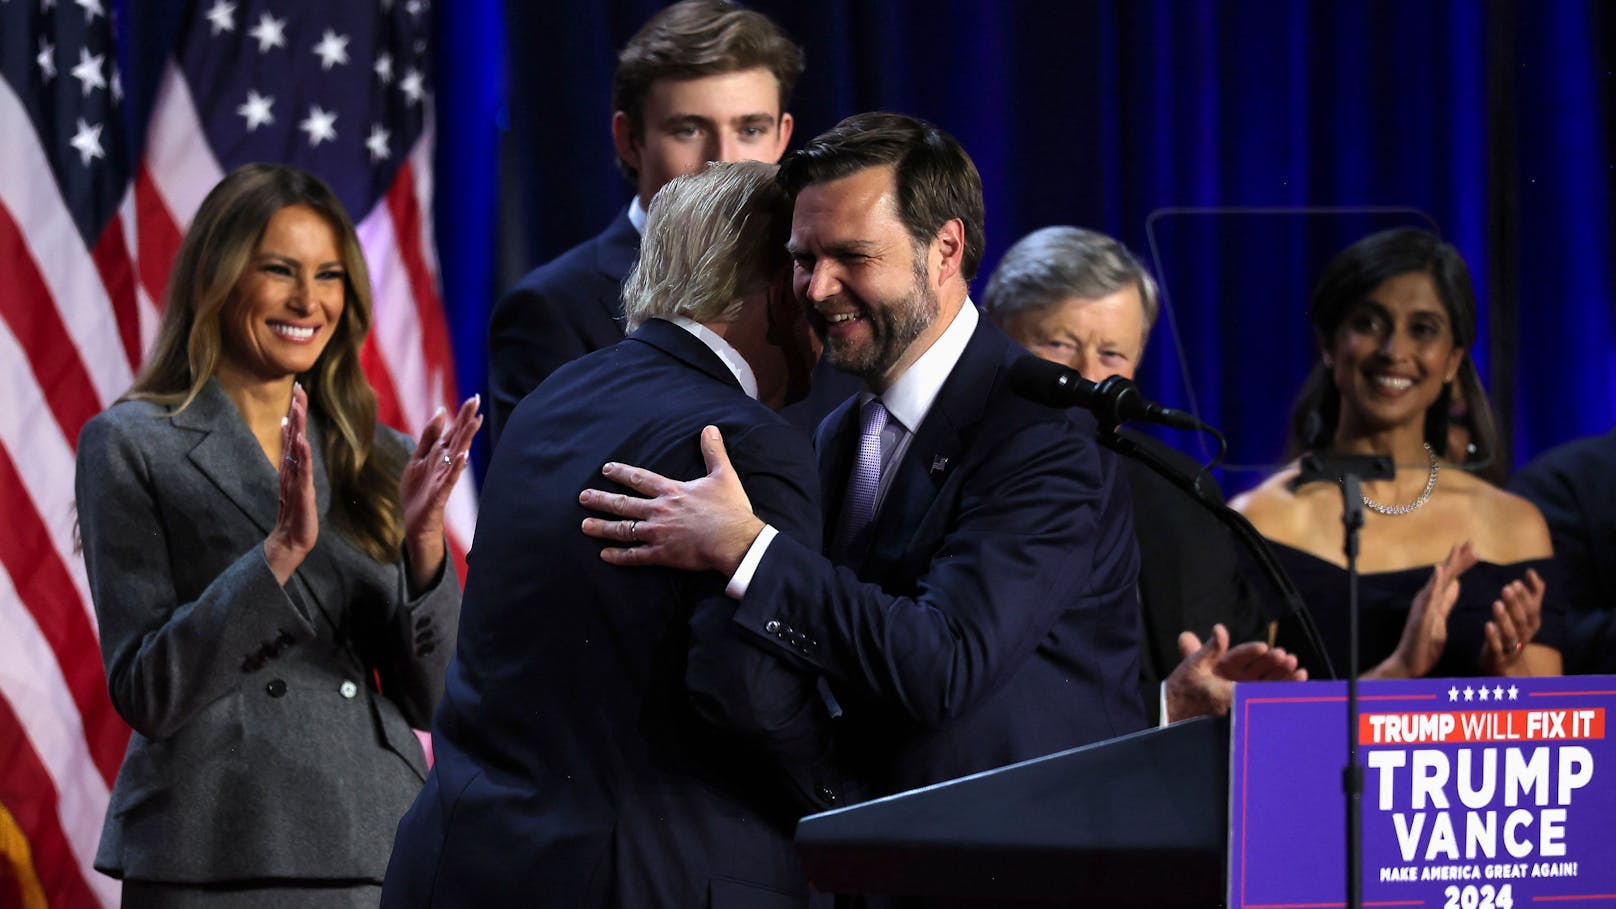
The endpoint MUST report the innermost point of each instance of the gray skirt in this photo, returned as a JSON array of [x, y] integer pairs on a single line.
[[252, 895]]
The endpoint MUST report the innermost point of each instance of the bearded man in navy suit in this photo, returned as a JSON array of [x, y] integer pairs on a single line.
[[606, 736], [978, 605]]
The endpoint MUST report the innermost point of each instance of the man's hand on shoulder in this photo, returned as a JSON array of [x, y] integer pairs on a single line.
[[697, 525]]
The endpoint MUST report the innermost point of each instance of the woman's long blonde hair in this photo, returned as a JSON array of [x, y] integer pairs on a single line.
[[217, 250]]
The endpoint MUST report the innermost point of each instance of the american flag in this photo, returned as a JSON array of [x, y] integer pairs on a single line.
[[87, 235]]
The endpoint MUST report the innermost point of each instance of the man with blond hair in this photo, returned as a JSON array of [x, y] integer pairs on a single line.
[[606, 736]]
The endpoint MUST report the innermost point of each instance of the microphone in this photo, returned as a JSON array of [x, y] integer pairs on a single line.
[[1115, 400]]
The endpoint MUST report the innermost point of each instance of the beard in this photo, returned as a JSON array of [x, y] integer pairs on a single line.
[[894, 324]]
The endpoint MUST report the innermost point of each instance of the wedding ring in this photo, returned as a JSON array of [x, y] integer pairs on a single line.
[[1519, 645], [447, 457], [632, 526]]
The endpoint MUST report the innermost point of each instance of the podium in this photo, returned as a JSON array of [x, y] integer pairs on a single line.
[[1479, 794], [1139, 821]]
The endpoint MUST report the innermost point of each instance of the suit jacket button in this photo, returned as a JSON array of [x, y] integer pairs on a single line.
[[772, 626], [348, 689], [275, 688]]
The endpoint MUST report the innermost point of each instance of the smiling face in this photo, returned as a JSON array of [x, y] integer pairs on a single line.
[[1391, 356], [867, 287], [1099, 338], [689, 122], [287, 303]]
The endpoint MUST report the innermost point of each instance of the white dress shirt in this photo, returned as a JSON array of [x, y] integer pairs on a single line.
[[908, 400]]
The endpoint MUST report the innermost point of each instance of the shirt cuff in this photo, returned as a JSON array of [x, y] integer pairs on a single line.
[[1161, 699], [736, 588]]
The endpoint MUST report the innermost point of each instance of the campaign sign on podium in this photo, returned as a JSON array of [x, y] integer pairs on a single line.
[[1478, 794]]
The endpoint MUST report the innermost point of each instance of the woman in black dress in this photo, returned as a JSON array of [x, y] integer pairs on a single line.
[[1393, 317]]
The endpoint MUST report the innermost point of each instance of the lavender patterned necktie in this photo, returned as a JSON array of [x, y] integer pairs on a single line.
[[865, 480]]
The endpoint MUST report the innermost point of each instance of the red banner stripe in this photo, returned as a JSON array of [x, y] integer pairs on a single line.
[[111, 256], [159, 238], [381, 379], [48, 594], [405, 209], [30, 796], [27, 308]]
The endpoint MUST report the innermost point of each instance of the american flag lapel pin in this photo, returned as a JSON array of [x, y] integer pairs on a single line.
[[938, 464]]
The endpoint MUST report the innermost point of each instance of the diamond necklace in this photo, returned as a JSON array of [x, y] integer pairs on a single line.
[[1430, 487]]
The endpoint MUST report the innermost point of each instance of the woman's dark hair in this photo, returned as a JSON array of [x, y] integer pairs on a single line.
[[1349, 278]]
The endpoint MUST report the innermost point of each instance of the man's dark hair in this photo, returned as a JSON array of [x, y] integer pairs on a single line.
[[696, 38], [935, 179]]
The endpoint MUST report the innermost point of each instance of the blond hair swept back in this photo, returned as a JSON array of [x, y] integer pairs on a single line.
[[710, 238]]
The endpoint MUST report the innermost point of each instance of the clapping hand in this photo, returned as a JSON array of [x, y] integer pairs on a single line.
[[297, 520], [1425, 633], [1517, 616], [437, 462], [1203, 682]]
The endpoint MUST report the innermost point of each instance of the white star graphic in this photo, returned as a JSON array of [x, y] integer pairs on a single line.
[[1484, 692], [222, 17], [269, 32], [46, 6], [377, 143], [414, 8], [46, 59], [411, 86], [88, 72], [1498, 692], [1469, 693], [320, 126], [256, 110], [384, 68], [1513, 691], [88, 142], [92, 8], [332, 49], [1453, 693]]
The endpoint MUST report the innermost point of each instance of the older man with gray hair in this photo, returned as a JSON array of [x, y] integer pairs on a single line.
[[1080, 298]]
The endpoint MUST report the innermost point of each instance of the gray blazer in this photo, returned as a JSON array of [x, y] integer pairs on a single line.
[[261, 747]]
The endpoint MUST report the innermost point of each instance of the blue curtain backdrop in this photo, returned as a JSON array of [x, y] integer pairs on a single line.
[[1496, 122]]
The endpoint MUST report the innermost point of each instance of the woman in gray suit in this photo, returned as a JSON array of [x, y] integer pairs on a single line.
[[268, 568]]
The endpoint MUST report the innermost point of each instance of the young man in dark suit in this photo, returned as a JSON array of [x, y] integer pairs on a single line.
[[978, 608], [606, 737], [701, 81]]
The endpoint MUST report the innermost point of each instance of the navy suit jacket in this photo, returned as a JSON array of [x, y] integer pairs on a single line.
[[606, 737], [1574, 485], [994, 618], [560, 311]]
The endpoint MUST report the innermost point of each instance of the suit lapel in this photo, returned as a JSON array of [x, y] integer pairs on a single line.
[[230, 457], [617, 249], [940, 442]]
